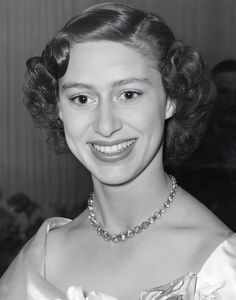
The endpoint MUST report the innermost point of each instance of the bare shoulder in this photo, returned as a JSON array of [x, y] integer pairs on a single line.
[[202, 230], [59, 241], [198, 216]]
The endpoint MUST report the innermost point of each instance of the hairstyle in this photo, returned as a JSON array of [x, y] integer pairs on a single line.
[[224, 66], [181, 67]]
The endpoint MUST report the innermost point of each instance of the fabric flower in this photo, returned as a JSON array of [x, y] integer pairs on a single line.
[[183, 288], [76, 293], [208, 292]]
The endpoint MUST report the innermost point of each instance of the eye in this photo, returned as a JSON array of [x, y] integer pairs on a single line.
[[129, 95], [82, 99]]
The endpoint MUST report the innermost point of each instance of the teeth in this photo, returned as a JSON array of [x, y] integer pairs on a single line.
[[124, 145], [102, 149], [114, 148]]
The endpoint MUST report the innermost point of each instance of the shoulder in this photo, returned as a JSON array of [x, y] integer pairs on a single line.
[[60, 230], [28, 267], [219, 270], [197, 228], [195, 215], [39, 240], [34, 251], [60, 242]]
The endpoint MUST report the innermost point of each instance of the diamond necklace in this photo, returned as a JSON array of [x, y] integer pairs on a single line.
[[116, 238]]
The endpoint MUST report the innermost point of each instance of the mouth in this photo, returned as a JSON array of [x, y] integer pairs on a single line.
[[115, 148], [110, 152]]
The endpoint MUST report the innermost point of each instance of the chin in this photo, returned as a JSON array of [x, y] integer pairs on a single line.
[[114, 179]]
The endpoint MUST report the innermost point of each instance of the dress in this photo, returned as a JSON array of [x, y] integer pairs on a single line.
[[25, 280]]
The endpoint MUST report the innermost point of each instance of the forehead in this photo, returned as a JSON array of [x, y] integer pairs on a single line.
[[97, 59]]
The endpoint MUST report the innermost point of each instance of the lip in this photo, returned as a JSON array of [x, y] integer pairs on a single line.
[[111, 143], [111, 157]]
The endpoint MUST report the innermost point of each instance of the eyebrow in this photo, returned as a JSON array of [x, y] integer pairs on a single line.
[[71, 85], [116, 83], [131, 80]]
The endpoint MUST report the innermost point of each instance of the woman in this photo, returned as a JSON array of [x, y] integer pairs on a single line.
[[116, 85]]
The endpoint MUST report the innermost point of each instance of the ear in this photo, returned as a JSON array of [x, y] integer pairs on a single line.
[[59, 110], [170, 108]]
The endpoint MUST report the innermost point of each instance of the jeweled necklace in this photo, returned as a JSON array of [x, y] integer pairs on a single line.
[[116, 238]]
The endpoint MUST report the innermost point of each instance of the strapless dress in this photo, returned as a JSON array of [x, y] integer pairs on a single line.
[[25, 278]]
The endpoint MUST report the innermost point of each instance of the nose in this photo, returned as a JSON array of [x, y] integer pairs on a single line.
[[107, 119]]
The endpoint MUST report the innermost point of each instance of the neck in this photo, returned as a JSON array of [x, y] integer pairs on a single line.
[[120, 207]]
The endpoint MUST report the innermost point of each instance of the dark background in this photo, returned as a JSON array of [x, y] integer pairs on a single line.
[[34, 182]]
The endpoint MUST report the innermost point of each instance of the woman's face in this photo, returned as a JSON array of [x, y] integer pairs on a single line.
[[113, 106]]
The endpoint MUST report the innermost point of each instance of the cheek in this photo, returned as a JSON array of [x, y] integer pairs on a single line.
[[74, 122], [74, 133], [70, 126], [153, 117], [154, 128]]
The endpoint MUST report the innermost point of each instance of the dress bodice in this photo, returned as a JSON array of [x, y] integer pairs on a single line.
[[25, 278]]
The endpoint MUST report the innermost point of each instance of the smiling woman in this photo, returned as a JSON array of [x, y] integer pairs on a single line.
[[115, 100], [116, 89]]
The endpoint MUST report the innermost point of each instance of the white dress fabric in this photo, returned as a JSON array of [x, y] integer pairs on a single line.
[[25, 278]]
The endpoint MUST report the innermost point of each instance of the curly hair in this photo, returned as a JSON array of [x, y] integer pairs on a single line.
[[181, 67]]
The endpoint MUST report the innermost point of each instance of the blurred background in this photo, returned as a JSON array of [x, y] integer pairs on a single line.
[[34, 182]]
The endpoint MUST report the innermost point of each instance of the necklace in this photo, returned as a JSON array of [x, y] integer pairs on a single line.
[[116, 238]]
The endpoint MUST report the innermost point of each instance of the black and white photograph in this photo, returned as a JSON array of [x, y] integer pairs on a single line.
[[118, 150]]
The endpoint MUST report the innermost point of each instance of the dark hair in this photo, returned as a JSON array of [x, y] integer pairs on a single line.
[[181, 67], [228, 65]]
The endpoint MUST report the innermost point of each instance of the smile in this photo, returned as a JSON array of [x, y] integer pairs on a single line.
[[112, 152], [113, 149]]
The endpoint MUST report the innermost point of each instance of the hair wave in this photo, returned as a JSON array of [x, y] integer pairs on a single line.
[[181, 67]]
